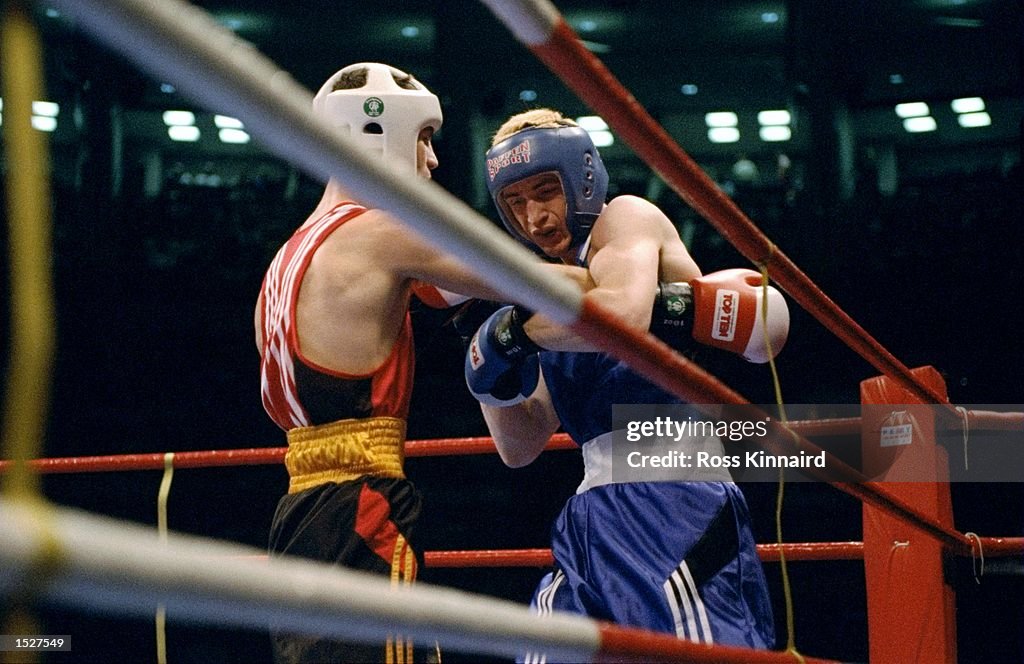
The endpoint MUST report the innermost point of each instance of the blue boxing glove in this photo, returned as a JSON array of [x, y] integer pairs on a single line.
[[502, 366]]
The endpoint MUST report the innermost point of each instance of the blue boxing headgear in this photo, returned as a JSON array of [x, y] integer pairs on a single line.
[[566, 150]]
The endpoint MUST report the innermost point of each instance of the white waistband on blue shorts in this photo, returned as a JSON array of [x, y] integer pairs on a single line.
[[598, 455]]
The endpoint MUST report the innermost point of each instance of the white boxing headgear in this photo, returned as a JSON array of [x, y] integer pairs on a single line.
[[381, 117]]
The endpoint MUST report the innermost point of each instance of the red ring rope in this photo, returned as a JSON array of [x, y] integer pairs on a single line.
[[980, 420], [805, 551], [565, 54]]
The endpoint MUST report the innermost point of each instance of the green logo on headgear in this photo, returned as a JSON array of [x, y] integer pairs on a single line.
[[373, 106]]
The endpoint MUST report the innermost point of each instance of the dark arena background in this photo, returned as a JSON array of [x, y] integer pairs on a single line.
[[160, 246]]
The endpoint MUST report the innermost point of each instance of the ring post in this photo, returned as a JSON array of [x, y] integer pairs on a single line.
[[911, 607]]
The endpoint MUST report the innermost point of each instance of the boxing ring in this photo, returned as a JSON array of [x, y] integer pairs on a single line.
[[93, 563]]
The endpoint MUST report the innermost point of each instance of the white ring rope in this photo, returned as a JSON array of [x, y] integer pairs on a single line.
[[124, 568], [182, 44], [531, 21]]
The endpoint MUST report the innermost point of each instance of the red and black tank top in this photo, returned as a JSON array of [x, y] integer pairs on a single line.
[[299, 393]]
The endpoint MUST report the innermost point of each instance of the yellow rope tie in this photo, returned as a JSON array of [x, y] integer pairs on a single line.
[[787, 590], [32, 335], [161, 528], [31, 330], [767, 340]]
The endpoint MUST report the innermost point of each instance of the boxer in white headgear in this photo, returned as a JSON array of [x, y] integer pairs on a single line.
[[384, 111], [335, 338]]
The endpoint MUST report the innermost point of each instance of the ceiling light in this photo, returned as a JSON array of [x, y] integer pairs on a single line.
[[410, 31], [186, 133], [44, 122], [912, 109], [528, 95], [968, 105], [721, 119], [770, 17], [592, 122], [723, 134], [919, 124], [179, 118], [896, 79], [597, 128], [232, 135], [767, 118], [45, 108], [227, 122], [688, 89], [980, 119], [775, 133]]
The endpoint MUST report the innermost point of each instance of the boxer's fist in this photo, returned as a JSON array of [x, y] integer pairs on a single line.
[[727, 314], [721, 309], [502, 367]]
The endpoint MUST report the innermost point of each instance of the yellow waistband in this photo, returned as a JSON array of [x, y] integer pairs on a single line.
[[345, 450]]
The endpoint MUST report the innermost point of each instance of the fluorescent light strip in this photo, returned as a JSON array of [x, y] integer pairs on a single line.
[[179, 118], [968, 105], [44, 122], [227, 122], [232, 135], [775, 133], [601, 138], [912, 109], [723, 134], [919, 124], [592, 123], [721, 119], [185, 133], [981, 119], [47, 109], [773, 118]]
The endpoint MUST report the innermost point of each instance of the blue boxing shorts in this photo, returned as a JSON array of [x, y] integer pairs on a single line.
[[673, 557]]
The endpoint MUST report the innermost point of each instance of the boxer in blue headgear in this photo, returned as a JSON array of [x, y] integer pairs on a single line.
[[672, 551], [562, 148]]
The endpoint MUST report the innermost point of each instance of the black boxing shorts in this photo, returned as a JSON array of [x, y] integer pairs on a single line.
[[366, 524]]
